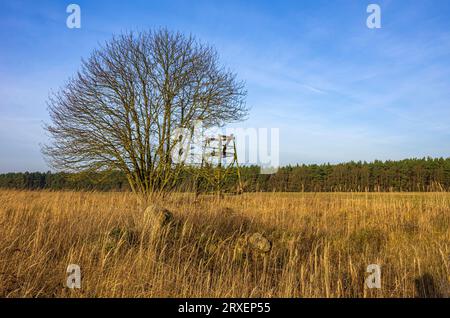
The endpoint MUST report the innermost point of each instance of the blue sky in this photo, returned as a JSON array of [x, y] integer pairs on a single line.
[[337, 90]]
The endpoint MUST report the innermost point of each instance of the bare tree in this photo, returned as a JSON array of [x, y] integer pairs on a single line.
[[119, 111]]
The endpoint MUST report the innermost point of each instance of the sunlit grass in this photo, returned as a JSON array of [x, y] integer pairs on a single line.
[[322, 244]]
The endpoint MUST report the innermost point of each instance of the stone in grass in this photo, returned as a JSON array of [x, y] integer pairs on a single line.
[[211, 248], [161, 216], [260, 243]]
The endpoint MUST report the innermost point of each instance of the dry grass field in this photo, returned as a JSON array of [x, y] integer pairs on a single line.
[[321, 245]]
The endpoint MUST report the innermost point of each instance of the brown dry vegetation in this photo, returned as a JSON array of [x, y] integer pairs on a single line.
[[322, 244]]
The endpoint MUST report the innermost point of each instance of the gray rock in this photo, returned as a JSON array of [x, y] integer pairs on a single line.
[[260, 243], [161, 216]]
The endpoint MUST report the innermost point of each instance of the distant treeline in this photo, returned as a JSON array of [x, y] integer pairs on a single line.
[[425, 174]]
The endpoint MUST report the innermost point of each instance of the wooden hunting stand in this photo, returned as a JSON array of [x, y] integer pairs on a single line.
[[219, 162]]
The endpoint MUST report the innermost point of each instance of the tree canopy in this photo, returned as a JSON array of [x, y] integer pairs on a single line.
[[121, 109], [408, 175]]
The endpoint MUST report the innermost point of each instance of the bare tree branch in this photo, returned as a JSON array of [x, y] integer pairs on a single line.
[[120, 110]]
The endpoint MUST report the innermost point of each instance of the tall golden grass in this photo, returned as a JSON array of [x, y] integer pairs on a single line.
[[322, 245]]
